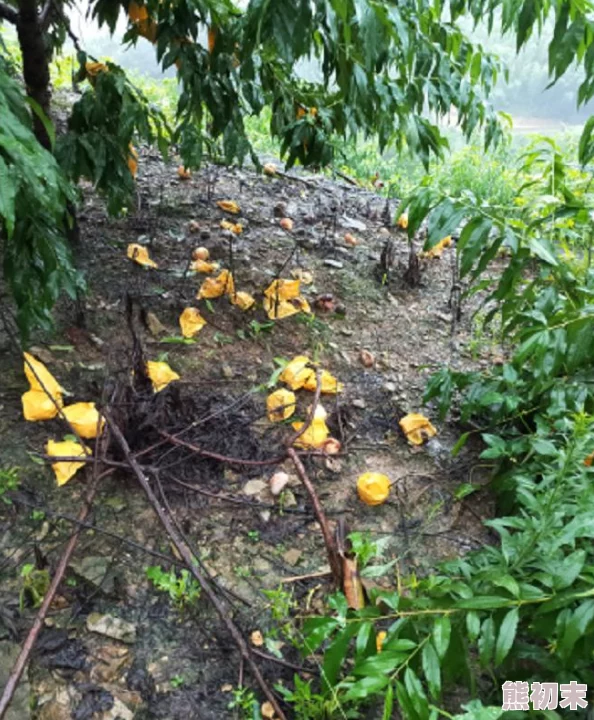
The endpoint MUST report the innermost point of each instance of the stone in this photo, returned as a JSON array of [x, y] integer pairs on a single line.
[[390, 387], [95, 570], [359, 403], [352, 223], [112, 627], [292, 556], [253, 487], [155, 326], [261, 566], [278, 482], [118, 712], [333, 263], [227, 371]]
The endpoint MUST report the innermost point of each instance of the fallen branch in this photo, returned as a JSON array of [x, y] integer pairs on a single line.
[[307, 576], [331, 549], [29, 643], [216, 456], [189, 559]]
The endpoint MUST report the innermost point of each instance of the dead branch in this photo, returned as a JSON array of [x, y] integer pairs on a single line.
[[221, 458], [29, 643], [189, 559], [333, 556]]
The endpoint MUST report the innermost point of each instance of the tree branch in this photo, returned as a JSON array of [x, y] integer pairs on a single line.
[[9, 14]]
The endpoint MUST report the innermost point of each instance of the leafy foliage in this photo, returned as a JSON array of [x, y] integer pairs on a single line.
[[110, 115], [34, 194]]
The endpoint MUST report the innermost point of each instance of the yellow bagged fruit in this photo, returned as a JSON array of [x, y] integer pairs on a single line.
[[38, 405], [297, 372], [140, 255], [191, 322], [66, 469], [373, 488], [329, 385], [85, 419], [40, 378], [280, 405], [417, 428], [160, 374]]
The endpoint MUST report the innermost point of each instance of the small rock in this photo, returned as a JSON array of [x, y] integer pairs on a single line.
[[367, 358], [118, 712], [289, 499], [95, 570], [390, 387], [267, 711], [383, 231], [278, 482], [280, 210], [352, 223], [205, 235], [261, 566], [253, 487], [359, 403], [42, 354], [292, 556], [265, 515], [155, 326], [112, 627], [227, 371], [334, 263], [333, 464]]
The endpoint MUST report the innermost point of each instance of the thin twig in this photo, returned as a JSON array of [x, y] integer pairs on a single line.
[[333, 557], [189, 559], [23, 657], [220, 458], [307, 576]]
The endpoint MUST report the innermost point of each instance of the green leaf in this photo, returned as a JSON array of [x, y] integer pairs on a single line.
[[507, 634], [542, 249], [336, 654], [486, 642], [388, 703], [442, 630], [416, 694], [444, 219], [473, 239], [370, 685], [576, 627], [432, 669], [462, 440]]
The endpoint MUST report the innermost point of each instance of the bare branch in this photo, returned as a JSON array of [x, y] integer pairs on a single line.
[[9, 14]]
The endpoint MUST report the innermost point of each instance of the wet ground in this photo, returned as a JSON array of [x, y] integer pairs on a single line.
[[164, 659]]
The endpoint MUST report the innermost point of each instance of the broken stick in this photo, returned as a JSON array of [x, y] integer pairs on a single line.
[[188, 558]]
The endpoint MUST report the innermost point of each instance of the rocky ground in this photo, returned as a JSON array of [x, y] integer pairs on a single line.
[[115, 647]]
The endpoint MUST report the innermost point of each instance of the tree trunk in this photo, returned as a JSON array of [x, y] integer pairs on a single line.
[[35, 64]]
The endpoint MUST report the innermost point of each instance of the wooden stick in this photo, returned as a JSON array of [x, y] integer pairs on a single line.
[[308, 576], [29, 643], [188, 558]]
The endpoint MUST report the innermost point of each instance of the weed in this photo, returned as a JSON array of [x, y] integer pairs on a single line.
[[182, 588], [34, 585], [9, 481], [244, 701]]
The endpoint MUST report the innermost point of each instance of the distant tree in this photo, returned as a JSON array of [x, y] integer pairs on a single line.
[[387, 68]]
